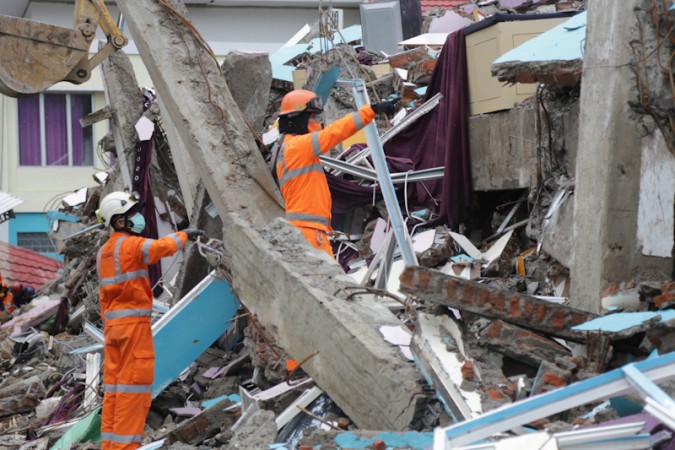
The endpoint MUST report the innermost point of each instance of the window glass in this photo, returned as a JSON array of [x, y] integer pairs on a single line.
[[39, 242], [50, 133]]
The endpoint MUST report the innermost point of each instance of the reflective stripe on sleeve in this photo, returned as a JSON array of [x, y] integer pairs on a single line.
[[123, 277], [316, 146], [357, 120], [177, 240], [118, 245], [307, 218], [289, 175], [146, 251]]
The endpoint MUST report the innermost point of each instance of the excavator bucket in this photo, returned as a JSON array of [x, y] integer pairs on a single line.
[[35, 55]]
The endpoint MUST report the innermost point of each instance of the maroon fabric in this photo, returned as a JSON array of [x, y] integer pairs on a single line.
[[141, 184], [441, 138], [348, 195]]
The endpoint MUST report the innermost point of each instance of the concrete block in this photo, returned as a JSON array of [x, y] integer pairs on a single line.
[[523, 310]]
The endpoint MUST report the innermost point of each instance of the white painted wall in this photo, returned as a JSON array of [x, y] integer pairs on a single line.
[[226, 28], [657, 194]]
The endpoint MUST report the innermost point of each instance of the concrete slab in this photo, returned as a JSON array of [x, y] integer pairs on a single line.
[[298, 293]]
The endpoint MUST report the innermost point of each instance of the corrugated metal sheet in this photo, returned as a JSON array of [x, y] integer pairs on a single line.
[[8, 202]]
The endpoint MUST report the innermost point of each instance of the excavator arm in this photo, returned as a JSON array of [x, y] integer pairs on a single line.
[[35, 55]]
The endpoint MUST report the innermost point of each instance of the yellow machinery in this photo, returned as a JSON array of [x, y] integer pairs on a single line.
[[35, 55]]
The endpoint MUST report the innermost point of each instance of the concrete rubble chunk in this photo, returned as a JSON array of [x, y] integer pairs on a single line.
[[259, 431], [249, 78], [521, 344]]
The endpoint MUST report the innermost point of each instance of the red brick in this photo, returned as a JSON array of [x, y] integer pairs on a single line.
[[467, 370], [379, 445], [495, 394], [494, 331], [554, 379], [668, 287], [423, 278], [514, 307], [404, 58], [567, 77], [528, 309], [407, 276], [558, 320], [578, 318], [498, 301], [451, 290], [482, 297], [664, 299], [541, 313], [469, 294], [525, 77], [610, 290]]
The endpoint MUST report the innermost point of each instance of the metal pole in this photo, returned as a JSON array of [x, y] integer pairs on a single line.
[[387, 186]]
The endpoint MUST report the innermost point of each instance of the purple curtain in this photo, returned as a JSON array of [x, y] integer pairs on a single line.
[[29, 131], [77, 110], [441, 138], [56, 130]]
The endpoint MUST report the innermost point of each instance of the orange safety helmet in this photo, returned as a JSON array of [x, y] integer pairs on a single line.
[[301, 100]]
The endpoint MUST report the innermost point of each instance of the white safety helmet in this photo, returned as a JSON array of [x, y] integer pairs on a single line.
[[116, 203]]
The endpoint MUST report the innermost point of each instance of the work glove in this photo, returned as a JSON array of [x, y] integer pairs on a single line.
[[385, 107], [194, 234]]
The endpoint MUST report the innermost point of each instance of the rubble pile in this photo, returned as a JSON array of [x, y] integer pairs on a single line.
[[483, 316]]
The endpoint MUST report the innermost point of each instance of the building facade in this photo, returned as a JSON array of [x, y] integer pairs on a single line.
[[44, 152]]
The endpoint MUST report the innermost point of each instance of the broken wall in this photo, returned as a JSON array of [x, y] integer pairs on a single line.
[[612, 148]]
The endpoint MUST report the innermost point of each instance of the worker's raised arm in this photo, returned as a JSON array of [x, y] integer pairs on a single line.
[[153, 250], [341, 129]]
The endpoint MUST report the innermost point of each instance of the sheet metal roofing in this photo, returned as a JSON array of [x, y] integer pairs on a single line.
[[20, 265], [447, 4], [8, 202], [564, 42]]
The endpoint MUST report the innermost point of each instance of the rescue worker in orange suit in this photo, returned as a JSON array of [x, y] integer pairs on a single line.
[[126, 304], [6, 298], [298, 168]]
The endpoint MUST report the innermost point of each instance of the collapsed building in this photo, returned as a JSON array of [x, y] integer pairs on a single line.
[[542, 270]]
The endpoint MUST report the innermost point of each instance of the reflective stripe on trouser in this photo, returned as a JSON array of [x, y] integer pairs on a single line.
[[128, 373], [318, 238]]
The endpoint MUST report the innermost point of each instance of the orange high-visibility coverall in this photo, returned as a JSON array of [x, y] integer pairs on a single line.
[[7, 298], [126, 304], [303, 181]]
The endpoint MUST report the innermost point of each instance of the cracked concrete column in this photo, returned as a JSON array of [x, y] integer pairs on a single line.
[[609, 159], [194, 95]]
